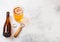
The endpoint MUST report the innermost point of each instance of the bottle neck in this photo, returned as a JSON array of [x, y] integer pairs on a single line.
[[7, 17]]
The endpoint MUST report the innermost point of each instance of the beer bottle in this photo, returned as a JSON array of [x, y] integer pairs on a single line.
[[7, 26]]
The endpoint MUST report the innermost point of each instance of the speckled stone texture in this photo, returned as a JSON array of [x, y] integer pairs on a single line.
[[44, 18]]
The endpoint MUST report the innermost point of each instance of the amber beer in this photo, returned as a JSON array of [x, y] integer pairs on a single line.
[[7, 26], [18, 14]]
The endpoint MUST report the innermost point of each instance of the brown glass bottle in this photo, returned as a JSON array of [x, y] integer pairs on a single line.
[[7, 26]]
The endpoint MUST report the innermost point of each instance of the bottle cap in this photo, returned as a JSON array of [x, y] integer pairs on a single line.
[[7, 13]]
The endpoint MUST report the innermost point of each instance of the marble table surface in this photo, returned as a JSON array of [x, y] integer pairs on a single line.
[[44, 20]]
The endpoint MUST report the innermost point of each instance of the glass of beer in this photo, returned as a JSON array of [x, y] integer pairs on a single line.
[[18, 14]]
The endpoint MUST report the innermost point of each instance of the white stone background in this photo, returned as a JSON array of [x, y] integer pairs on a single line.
[[44, 18]]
